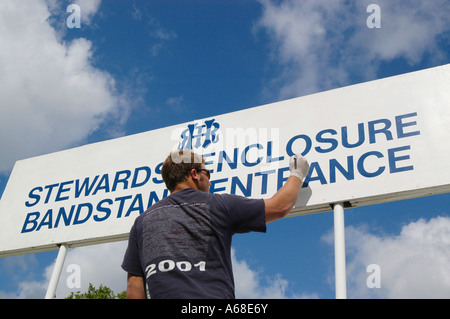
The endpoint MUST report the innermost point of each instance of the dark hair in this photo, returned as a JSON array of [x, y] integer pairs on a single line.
[[177, 166]]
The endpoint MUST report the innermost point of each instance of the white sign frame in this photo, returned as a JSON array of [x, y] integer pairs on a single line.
[[368, 143]]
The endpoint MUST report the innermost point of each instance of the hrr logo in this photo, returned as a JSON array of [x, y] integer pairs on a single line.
[[196, 135]]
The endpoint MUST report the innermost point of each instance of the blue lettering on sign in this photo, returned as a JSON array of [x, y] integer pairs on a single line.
[[348, 173], [345, 140], [84, 186], [333, 142], [370, 164], [244, 157], [81, 213]]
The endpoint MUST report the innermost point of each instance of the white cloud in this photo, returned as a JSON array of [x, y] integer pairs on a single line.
[[51, 96], [408, 30], [176, 104], [320, 44], [32, 290], [88, 9], [413, 264], [100, 265], [159, 38], [250, 285]]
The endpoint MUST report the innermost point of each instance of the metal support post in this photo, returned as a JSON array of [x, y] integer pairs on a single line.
[[339, 252], [56, 271]]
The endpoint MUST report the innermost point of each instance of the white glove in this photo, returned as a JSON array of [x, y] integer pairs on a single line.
[[298, 166]]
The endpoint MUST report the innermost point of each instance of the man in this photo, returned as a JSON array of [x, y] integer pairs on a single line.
[[181, 246]]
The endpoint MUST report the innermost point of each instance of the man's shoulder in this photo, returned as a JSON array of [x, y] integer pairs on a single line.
[[189, 195], [181, 197]]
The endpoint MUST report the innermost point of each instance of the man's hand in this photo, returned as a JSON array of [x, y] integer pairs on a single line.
[[135, 287], [280, 204], [299, 166]]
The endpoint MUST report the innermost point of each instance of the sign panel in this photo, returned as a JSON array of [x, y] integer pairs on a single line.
[[368, 143]]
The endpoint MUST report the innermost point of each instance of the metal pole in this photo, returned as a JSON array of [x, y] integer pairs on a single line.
[[56, 271], [339, 252]]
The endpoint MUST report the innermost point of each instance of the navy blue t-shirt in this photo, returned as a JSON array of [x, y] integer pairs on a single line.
[[182, 244]]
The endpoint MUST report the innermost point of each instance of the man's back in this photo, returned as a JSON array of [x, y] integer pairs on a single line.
[[182, 243]]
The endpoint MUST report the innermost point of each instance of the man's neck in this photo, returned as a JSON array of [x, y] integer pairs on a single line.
[[187, 184]]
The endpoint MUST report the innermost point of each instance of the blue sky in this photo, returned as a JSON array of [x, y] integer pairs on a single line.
[[135, 66]]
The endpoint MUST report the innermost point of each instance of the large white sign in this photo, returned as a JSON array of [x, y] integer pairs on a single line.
[[368, 143]]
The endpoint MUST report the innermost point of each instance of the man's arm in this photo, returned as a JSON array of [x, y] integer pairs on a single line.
[[135, 287], [279, 205]]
